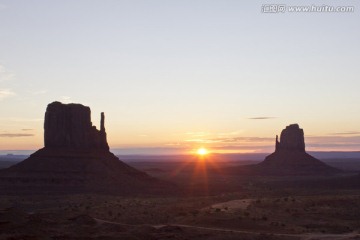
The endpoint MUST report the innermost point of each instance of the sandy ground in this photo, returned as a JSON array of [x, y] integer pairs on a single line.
[[233, 205]]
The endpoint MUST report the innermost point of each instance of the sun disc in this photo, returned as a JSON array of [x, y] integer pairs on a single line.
[[202, 151]]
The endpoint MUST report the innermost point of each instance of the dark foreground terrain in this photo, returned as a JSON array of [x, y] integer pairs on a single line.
[[212, 205]]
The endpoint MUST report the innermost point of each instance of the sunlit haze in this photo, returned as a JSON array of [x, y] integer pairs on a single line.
[[175, 76]]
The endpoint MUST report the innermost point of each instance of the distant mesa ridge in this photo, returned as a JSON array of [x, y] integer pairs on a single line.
[[76, 157]]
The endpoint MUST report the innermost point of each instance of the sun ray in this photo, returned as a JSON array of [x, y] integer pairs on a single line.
[[199, 165]]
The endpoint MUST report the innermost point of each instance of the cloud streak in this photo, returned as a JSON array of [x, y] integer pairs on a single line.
[[246, 139], [15, 135], [233, 140], [261, 118], [267, 144], [346, 133]]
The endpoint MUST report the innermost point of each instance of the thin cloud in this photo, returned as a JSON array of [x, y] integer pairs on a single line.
[[243, 139], [199, 140], [334, 145], [267, 144], [332, 138], [14, 135], [256, 142], [255, 148], [333, 142], [261, 118], [346, 133], [5, 93]]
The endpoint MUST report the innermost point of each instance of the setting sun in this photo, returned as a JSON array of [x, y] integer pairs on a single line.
[[202, 151]]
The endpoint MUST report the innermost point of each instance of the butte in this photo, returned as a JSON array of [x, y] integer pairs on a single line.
[[289, 158], [76, 158]]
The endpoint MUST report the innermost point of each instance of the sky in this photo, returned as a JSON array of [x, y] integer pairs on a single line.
[[172, 76]]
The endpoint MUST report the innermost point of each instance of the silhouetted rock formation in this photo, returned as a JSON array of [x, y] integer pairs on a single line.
[[69, 126], [291, 138], [289, 158], [76, 157]]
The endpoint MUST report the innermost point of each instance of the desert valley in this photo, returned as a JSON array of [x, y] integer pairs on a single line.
[[179, 120], [75, 188]]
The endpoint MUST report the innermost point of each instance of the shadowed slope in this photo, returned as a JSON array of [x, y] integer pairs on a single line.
[[286, 162]]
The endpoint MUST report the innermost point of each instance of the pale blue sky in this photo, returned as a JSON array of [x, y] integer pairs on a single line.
[[178, 73]]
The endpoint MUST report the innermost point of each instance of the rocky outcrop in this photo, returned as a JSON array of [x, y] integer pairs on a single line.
[[291, 138], [76, 158], [69, 126], [289, 158]]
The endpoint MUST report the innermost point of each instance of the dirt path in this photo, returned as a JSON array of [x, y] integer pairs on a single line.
[[306, 236]]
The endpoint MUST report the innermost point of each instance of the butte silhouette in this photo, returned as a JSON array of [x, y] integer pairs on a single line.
[[289, 158], [76, 157]]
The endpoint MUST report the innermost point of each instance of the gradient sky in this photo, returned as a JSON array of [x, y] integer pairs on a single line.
[[175, 75]]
